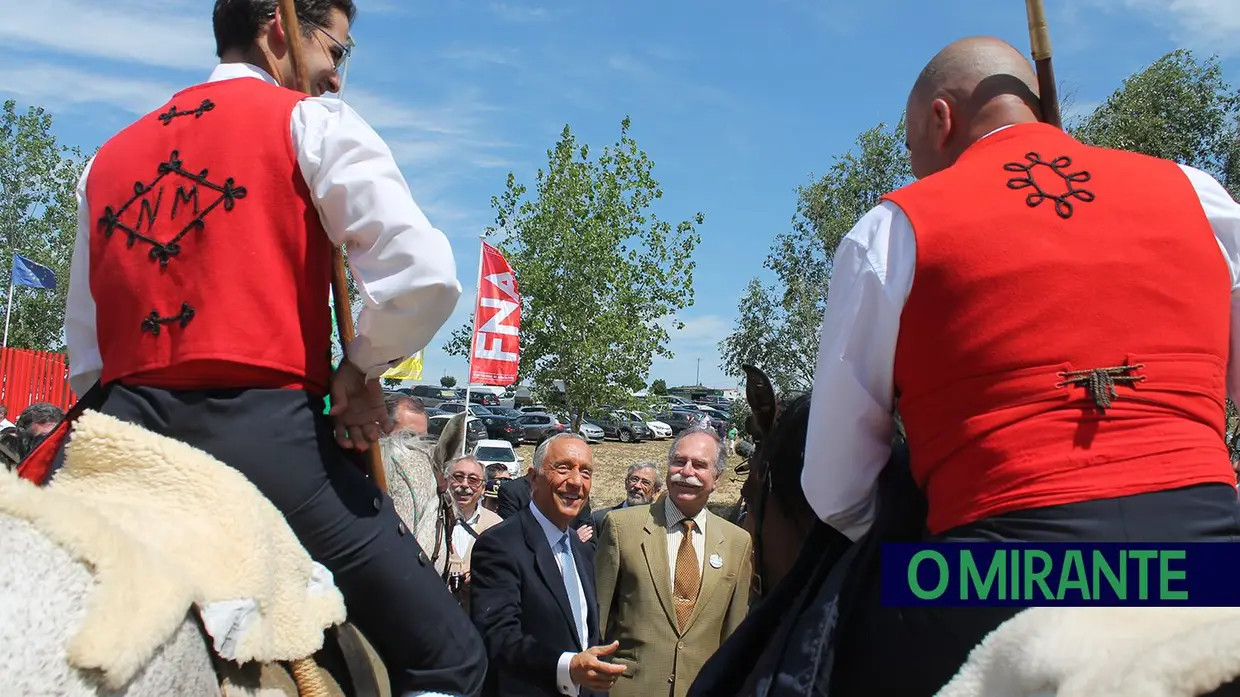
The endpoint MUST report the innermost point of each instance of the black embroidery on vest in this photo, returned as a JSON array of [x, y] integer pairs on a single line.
[[186, 193], [1100, 383], [172, 113], [1058, 165], [154, 322]]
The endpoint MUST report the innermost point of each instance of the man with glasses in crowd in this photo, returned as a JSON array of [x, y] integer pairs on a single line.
[[465, 476], [198, 301]]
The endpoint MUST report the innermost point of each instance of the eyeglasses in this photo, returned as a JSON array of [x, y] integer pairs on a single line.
[[339, 52], [473, 480]]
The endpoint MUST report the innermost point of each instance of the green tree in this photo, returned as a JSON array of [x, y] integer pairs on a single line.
[[777, 324], [1177, 108], [598, 270], [38, 219], [391, 383], [658, 387], [447, 381]]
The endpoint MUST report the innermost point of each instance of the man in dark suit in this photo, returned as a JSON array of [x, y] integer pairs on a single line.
[[514, 496], [532, 597]]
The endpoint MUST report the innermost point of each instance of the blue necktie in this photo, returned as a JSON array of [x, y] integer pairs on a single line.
[[572, 584]]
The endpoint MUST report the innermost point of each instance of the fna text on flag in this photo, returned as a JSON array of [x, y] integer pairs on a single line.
[[495, 350], [31, 274]]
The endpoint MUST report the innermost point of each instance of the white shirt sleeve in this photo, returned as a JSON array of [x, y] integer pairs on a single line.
[[1224, 216], [404, 267], [81, 341], [564, 677], [850, 419]]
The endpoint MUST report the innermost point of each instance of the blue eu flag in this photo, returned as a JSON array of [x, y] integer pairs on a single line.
[[30, 274]]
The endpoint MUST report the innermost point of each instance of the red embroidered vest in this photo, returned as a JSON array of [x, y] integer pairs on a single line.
[[1039, 261], [208, 263]]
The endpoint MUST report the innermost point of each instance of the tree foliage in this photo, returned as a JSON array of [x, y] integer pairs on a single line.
[[1178, 109], [38, 219], [598, 270], [777, 324], [658, 387], [447, 381], [391, 383]]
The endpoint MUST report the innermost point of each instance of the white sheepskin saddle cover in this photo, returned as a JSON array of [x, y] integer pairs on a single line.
[[164, 527], [1104, 652]]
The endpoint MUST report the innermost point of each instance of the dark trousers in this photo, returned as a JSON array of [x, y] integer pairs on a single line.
[[914, 651], [282, 443]]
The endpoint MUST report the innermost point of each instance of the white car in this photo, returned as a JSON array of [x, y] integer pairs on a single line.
[[491, 452], [658, 429], [591, 432]]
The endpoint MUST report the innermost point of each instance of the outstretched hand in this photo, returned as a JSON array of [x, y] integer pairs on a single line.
[[358, 412], [591, 673]]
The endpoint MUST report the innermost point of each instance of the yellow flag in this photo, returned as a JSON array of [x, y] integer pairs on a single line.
[[410, 369]]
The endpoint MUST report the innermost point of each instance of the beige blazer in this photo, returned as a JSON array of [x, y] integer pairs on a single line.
[[634, 581]]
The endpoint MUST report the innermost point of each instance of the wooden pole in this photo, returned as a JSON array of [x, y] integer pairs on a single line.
[[1040, 42], [340, 279]]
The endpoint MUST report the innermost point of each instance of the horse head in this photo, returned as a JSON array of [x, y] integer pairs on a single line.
[[763, 407]]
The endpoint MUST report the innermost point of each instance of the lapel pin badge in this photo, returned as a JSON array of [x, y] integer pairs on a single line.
[[716, 561]]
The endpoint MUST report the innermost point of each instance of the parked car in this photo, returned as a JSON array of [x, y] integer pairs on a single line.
[[458, 407], [681, 419], [505, 411], [502, 428], [536, 428], [432, 395], [533, 409], [658, 429], [713, 412], [485, 398], [475, 430], [433, 411], [490, 452], [622, 426], [591, 432]]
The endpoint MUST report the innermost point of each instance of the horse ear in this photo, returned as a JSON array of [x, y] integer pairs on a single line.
[[450, 439], [760, 394]]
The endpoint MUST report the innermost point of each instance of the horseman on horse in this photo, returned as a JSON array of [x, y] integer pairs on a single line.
[[1058, 380], [197, 309]]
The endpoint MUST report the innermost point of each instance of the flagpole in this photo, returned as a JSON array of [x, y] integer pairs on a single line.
[[473, 339], [7, 313]]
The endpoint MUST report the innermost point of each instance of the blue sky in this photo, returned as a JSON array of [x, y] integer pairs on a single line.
[[736, 102]]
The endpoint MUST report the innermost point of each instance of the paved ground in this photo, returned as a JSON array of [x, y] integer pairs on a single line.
[[612, 459]]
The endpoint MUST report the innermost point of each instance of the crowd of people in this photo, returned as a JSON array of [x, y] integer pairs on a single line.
[[628, 600]]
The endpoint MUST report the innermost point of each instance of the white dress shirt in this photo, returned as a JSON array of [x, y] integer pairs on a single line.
[[404, 267], [850, 421], [563, 677], [676, 532]]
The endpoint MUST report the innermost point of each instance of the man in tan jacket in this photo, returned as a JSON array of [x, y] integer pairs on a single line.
[[672, 577]]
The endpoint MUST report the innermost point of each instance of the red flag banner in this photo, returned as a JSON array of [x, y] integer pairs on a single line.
[[497, 323]]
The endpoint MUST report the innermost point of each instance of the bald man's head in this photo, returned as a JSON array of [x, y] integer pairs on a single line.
[[970, 88]]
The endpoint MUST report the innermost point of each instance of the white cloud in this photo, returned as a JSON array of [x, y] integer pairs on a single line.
[[515, 12], [59, 88], [164, 33], [1213, 24]]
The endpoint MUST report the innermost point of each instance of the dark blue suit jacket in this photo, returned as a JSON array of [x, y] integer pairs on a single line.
[[519, 605]]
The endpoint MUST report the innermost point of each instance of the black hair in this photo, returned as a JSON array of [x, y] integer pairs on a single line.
[[237, 22], [39, 413]]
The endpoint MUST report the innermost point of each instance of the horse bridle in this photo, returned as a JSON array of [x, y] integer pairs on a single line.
[[755, 505], [443, 531]]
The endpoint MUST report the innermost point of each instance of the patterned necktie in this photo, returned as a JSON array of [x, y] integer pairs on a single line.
[[688, 577], [572, 585]]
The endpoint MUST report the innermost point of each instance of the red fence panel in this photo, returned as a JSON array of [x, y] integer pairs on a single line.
[[29, 376]]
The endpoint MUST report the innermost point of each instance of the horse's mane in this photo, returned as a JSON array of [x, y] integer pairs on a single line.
[[783, 450]]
